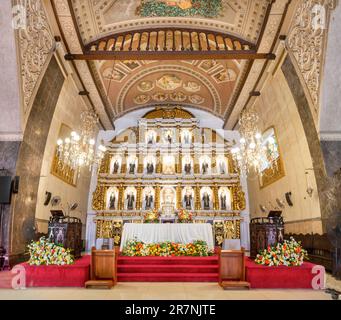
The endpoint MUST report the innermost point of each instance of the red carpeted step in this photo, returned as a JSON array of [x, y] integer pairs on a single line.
[[170, 268], [169, 277], [168, 260]]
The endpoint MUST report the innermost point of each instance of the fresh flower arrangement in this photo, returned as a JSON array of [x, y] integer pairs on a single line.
[[135, 248], [290, 253], [44, 252], [184, 216], [152, 217]]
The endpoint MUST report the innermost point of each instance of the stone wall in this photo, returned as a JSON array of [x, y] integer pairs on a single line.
[[277, 107], [30, 158]]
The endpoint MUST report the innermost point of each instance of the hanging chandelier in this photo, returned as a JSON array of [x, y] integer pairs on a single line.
[[78, 150], [252, 156]]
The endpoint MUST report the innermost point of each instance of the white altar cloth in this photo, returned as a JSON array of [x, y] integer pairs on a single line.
[[175, 232]]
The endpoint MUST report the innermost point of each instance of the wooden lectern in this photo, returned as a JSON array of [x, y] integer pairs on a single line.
[[103, 273], [232, 269]]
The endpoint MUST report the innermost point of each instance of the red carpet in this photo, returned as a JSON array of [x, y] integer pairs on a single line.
[[74, 275], [164, 269], [168, 269], [279, 277]]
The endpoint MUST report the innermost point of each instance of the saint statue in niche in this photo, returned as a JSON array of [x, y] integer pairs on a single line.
[[188, 200], [130, 200], [112, 201], [186, 137], [150, 138], [206, 201], [116, 166], [204, 167], [222, 168], [188, 168], [223, 201], [150, 167], [149, 201], [132, 167], [168, 136]]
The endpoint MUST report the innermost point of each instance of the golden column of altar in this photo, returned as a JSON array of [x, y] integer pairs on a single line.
[[178, 133], [215, 197], [178, 196], [124, 162], [214, 137], [230, 163], [120, 197], [158, 162], [214, 160], [138, 197], [139, 163], [157, 197], [179, 164], [197, 204], [105, 163], [98, 198]]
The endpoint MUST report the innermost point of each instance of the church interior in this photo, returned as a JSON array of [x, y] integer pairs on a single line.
[[182, 149]]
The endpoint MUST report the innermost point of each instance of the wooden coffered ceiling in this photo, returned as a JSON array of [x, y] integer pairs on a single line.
[[219, 59]]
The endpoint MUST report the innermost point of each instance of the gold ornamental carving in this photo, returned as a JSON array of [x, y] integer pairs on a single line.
[[239, 202], [105, 164], [63, 172], [168, 113], [98, 198], [157, 197], [197, 197], [216, 198], [109, 229], [178, 196], [120, 197], [138, 197]]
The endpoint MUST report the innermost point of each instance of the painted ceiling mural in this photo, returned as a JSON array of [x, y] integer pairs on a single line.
[[218, 86]]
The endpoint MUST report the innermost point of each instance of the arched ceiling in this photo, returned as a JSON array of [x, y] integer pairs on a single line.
[[217, 86]]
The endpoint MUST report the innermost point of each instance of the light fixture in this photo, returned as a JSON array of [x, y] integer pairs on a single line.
[[251, 152], [78, 150]]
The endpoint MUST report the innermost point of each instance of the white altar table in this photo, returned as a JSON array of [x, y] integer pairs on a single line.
[[175, 232]]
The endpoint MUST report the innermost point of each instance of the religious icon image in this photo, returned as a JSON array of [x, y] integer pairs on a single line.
[[222, 167], [148, 201], [130, 200], [150, 137], [112, 201], [186, 137], [188, 168], [223, 201], [206, 200], [204, 167], [188, 199], [168, 136], [116, 167], [150, 167], [132, 166]]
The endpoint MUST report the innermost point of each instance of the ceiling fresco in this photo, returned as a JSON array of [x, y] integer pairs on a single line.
[[221, 87]]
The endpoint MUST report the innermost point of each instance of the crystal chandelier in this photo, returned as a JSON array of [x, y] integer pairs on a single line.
[[78, 150], [251, 154]]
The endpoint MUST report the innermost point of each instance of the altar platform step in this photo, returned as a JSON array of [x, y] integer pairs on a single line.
[[168, 269]]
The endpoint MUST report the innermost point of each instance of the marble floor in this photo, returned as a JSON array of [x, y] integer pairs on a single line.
[[161, 291]]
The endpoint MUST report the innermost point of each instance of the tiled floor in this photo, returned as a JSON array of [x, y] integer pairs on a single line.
[[164, 291]]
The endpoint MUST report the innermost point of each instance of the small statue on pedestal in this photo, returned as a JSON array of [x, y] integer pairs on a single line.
[[132, 167], [116, 166], [150, 167], [130, 201], [112, 201], [206, 201]]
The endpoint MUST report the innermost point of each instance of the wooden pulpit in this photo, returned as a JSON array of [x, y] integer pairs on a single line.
[[103, 269], [232, 269]]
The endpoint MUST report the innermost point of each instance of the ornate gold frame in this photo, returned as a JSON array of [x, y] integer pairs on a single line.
[[63, 172], [266, 180]]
